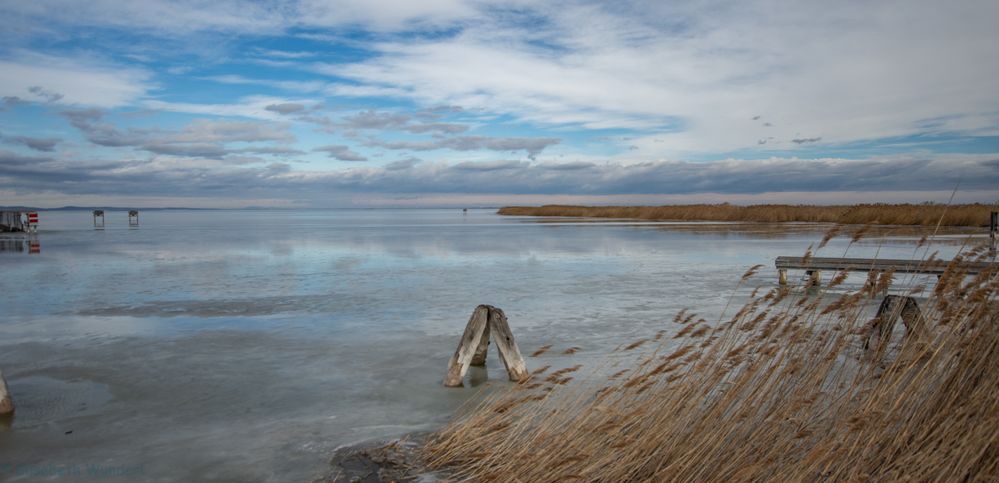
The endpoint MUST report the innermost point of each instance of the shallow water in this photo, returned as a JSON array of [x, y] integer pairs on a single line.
[[248, 345]]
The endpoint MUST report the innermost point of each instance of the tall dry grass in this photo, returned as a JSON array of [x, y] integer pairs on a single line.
[[877, 214], [780, 391]]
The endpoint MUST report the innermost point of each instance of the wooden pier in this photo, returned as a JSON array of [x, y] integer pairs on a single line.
[[813, 265]]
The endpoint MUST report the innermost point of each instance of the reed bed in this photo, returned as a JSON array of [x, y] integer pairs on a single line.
[[781, 390], [926, 214]]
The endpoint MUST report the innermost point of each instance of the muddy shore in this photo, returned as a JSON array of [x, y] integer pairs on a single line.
[[381, 461]]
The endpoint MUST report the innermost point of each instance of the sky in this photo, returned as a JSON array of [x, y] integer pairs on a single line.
[[379, 103]]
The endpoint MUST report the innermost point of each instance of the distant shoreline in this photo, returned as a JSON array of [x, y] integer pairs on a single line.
[[967, 215]]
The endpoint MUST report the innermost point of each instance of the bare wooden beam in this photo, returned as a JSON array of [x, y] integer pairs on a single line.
[[467, 346], [506, 345], [479, 359], [6, 403], [912, 317]]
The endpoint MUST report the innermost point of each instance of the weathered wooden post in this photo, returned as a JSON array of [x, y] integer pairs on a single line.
[[133, 217], [814, 278], [782, 276], [889, 311], [509, 353], [993, 227], [98, 215], [6, 403], [486, 321]]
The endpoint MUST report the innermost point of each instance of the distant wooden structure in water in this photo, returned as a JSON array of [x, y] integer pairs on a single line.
[[98, 219], [13, 221], [16, 221]]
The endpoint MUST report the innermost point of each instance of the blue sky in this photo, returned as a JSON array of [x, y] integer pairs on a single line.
[[478, 103]]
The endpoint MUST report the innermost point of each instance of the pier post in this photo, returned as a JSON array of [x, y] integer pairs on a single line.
[[6, 403], [993, 227], [33, 222], [486, 322], [814, 278], [782, 276]]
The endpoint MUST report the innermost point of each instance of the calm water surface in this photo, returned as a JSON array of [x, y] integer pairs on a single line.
[[249, 345]]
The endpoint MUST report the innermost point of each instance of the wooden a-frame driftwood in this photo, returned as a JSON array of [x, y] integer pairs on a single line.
[[486, 321], [893, 307]]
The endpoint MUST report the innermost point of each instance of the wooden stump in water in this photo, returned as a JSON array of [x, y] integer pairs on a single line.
[[893, 307], [467, 346], [6, 403], [486, 322], [506, 346]]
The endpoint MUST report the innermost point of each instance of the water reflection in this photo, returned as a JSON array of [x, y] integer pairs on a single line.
[[20, 244], [248, 345]]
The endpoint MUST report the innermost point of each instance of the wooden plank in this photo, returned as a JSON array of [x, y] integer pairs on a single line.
[[6, 403], [936, 267], [467, 346], [506, 345]]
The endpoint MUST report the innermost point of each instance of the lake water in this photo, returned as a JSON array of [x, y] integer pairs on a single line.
[[249, 345]]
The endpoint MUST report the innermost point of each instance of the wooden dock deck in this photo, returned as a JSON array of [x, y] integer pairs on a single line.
[[813, 265]]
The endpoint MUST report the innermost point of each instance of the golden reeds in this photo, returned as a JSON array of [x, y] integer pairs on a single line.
[[927, 214], [783, 391]]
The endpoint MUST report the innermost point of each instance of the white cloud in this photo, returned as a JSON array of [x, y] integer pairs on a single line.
[[695, 75], [182, 17], [156, 16], [383, 15], [288, 85], [71, 81], [255, 107]]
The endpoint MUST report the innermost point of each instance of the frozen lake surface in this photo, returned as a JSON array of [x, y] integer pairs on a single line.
[[248, 345]]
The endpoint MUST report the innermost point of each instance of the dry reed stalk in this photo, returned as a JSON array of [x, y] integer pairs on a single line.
[[927, 214], [780, 393], [541, 350]]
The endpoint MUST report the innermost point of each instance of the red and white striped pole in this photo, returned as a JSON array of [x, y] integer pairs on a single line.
[[33, 222]]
